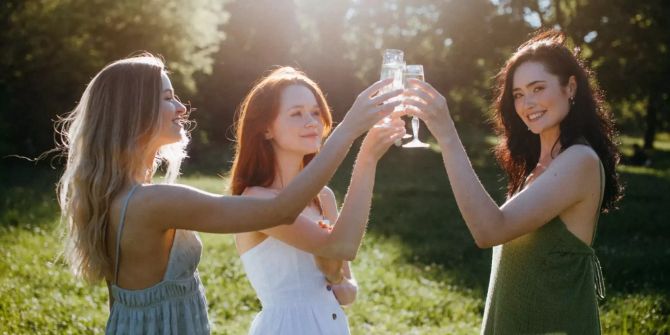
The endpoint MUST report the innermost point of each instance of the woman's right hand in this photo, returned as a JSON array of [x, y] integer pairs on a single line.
[[431, 107], [380, 138], [370, 107]]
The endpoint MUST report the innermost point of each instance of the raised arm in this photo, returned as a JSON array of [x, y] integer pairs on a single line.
[[556, 190], [187, 208], [343, 241]]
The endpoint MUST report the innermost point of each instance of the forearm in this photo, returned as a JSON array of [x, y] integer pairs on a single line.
[[293, 199], [348, 231], [331, 268], [481, 214]]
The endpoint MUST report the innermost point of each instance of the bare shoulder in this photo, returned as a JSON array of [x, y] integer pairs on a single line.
[[259, 192], [167, 194], [328, 199], [327, 194], [580, 156], [579, 165], [157, 199], [329, 203]]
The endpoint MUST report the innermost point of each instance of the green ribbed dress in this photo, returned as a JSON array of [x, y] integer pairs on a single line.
[[545, 282]]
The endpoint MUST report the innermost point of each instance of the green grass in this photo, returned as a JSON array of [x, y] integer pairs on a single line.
[[419, 271]]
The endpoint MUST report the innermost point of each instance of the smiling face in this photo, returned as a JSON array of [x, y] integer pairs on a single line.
[[539, 98], [171, 112], [299, 125]]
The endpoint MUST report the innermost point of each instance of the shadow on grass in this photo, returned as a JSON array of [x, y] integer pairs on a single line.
[[413, 203], [633, 243]]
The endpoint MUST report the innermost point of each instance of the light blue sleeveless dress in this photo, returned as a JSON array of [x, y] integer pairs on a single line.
[[175, 305]]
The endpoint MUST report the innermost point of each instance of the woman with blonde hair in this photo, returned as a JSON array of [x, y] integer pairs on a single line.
[[300, 272], [140, 236]]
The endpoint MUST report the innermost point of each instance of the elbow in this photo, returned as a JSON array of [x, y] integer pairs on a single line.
[[347, 252], [483, 244], [346, 293], [341, 251], [483, 241], [486, 236], [349, 296]]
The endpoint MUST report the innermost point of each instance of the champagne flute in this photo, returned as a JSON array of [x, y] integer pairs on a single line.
[[393, 66], [415, 71]]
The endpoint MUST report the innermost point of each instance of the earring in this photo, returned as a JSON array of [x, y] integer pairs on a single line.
[[572, 101]]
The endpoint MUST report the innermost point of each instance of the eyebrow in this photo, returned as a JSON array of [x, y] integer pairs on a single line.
[[169, 90], [531, 84], [302, 106]]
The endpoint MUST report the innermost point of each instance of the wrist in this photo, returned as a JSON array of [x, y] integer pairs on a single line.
[[335, 278], [446, 134], [344, 132], [364, 160]]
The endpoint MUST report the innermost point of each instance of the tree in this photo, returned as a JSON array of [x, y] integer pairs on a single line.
[[626, 42], [51, 49]]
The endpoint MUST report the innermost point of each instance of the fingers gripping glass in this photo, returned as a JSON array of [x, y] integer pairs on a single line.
[[414, 71]]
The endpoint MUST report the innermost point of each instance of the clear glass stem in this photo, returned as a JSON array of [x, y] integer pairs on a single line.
[[415, 127]]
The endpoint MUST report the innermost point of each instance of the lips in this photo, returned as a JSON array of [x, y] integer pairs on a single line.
[[535, 115]]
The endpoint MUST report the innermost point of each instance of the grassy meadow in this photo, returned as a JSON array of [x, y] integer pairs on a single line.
[[419, 270]]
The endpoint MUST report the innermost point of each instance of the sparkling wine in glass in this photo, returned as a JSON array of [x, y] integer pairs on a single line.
[[414, 71], [393, 66]]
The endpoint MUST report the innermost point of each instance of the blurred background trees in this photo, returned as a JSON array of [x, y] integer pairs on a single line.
[[216, 49]]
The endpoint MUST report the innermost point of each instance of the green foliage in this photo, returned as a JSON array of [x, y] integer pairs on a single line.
[[220, 47], [418, 270], [54, 47]]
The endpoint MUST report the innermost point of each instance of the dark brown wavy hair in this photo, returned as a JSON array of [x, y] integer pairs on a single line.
[[588, 118]]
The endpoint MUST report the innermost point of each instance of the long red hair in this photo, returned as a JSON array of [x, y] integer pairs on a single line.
[[254, 163]]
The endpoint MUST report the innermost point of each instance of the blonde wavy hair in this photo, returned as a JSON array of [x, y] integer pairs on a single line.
[[107, 139]]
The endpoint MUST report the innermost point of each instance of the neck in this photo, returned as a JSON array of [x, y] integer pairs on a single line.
[[144, 175], [288, 166], [549, 146]]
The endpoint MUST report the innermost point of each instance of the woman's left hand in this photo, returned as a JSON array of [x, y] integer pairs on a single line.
[[380, 138]]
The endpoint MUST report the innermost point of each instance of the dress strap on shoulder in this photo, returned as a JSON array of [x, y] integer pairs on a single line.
[[122, 221]]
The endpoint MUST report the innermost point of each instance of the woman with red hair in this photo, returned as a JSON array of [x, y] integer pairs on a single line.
[[140, 236], [301, 272]]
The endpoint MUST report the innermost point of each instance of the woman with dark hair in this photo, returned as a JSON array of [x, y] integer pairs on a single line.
[[557, 148]]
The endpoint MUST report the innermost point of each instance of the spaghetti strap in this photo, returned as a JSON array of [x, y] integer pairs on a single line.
[[122, 221], [598, 274], [601, 171]]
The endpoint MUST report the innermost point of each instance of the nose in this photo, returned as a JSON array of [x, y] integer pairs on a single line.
[[180, 108], [528, 102], [312, 121]]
